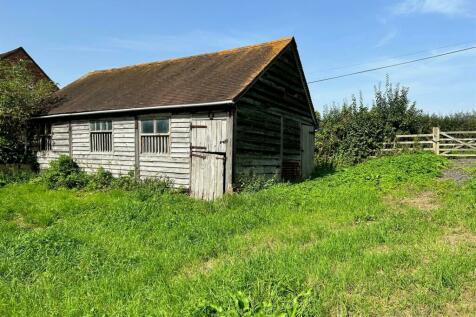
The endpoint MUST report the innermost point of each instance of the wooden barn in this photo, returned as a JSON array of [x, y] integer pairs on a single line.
[[201, 121]]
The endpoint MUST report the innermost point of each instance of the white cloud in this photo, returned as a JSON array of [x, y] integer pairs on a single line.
[[386, 38], [465, 8]]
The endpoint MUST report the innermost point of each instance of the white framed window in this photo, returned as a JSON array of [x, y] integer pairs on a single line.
[[155, 135], [100, 135]]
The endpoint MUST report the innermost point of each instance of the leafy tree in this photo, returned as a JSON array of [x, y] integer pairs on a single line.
[[353, 132], [22, 96]]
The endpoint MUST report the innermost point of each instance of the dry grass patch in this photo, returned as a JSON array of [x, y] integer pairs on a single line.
[[22, 223], [426, 200], [460, 236], [465, 305], [201, 268]]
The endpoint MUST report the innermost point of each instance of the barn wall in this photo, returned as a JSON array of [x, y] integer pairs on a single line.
[[120, 161], [174, 165], [268, 120], [60, 144]]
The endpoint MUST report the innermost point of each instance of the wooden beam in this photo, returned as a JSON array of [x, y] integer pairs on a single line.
[[136, 148], [230, 127]]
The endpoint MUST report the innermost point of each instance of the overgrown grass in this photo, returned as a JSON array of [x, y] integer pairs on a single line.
[[351, 242]]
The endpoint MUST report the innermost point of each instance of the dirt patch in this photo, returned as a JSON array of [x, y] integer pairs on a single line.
[[457, 171]]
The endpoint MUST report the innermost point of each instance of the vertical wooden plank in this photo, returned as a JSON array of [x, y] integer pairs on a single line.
[[136, 149], [229, 126], [281, 148], [70, 139]]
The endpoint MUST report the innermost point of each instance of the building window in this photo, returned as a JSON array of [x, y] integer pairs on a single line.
[[44, 137], [101, 136], [155, 135]]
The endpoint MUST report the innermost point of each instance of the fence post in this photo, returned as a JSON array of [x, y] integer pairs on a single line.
[[436, 140]]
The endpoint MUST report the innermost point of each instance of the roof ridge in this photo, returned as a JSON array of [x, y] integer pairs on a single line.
[[7, 53], [230, 50]]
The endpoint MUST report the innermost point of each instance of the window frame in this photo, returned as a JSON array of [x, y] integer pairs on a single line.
[[95, 131], [154, 119], [42, 134]]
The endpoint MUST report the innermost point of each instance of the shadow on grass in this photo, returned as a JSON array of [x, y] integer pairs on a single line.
[[323, 169]]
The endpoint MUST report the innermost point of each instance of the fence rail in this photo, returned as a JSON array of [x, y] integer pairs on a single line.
[[451, 143]]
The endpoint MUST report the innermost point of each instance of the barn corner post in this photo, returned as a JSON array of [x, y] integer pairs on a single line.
[[436, 140], [230, 150]]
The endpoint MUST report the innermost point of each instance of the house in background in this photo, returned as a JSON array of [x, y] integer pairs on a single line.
[[20, 54], [201, 121]]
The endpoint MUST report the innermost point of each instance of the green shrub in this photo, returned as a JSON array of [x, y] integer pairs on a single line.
[[253, 183], [15, 174], [127, 182], [353, 132], [150, 187], [64, 172], [22, 96], [100, 180]]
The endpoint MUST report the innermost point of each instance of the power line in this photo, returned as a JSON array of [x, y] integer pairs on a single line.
[[393, 65], [398, 56]]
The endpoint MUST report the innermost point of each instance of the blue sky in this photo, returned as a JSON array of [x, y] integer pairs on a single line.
[[71, 38]]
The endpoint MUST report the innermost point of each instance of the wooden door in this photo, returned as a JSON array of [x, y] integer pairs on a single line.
[[307, 150], [208, 155], [207, 181], [209, 135]]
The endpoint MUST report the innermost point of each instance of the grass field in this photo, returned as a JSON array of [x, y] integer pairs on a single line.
[[386, 237]]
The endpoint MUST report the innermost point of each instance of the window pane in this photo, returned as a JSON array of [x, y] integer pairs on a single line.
[[147, 126], [109, 125], [103, 125], [98, 125], [92, 126], [162, 126]]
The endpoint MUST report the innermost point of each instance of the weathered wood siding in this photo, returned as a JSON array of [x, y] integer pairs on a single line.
[[119, 161], [269, 118], [174, 165], [60, 144]]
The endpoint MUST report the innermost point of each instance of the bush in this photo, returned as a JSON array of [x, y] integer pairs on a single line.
[[22, 96], [150, 187], [100, 180], [64, 172], [254, 183], [15, 174], [353, 132]]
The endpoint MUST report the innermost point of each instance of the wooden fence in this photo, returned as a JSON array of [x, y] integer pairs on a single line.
[[452, 144]]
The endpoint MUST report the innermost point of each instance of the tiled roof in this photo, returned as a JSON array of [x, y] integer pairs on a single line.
[[199, 79]]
